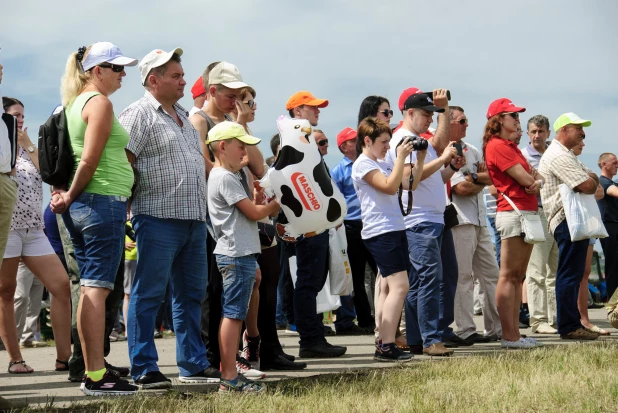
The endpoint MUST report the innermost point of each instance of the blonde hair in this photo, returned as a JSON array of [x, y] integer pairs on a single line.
[[74, 79]]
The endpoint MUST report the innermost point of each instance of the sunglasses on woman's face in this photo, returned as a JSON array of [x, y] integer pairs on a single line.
[[386, 112], [323, 142], [514, 115], [250, 103], [115, 68]]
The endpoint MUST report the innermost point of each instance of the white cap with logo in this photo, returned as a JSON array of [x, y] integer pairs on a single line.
[[106, 52], [226, 74], [155, 59]]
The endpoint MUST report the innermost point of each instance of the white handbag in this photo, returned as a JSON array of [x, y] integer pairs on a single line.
[[531, 225], [339, 269]]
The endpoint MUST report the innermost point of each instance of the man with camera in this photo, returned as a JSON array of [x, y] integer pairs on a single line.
[[473, 245], [425, 221]]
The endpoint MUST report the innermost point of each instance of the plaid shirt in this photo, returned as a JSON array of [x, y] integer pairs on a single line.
[[559, 166], [169, 162]]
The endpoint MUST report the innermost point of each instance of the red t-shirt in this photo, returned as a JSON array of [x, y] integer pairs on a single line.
[[500, 155]]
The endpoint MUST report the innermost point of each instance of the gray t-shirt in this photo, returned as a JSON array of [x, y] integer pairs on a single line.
[[237, 235]]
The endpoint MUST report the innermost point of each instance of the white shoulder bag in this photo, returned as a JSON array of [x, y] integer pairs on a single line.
[[531, 225]]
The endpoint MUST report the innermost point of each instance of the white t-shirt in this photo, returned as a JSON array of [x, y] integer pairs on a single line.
[[470, 209], [430, 195], [379, 211], [193, 110], [5, 149]]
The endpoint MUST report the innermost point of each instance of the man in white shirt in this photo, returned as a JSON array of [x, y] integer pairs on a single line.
[[8, 183], [425, 223], [473, 246], [541, 272]]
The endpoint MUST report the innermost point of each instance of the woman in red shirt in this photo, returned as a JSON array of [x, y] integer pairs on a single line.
[[514, 177]]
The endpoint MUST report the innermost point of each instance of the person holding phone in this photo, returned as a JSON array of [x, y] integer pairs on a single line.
[[376, 183]]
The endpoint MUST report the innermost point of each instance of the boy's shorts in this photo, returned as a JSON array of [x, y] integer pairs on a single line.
[[238, 275]]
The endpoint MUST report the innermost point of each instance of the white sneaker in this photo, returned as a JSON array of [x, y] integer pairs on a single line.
[[544, 328], [244, 367], [521, 343]]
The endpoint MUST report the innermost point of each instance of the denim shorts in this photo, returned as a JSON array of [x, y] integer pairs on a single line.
[[238, 275], [390, 252], [96, 226]]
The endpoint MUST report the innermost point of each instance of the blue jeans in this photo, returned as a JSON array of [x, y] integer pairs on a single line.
[[96, 226], [571, 267], [422, 305], [491, 222], [448, 287], [168, 249], [238, 278], [346, 313], [312, 267]]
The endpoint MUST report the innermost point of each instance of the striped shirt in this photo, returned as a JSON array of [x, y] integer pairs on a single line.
[[169, 162], [559, 166]]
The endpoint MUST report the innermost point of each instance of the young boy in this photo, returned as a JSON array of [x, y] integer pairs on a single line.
[[234, 218]]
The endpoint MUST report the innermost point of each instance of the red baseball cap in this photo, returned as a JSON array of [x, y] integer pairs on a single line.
[[198, 88], [346, 134], [406, 94], [502, 105]]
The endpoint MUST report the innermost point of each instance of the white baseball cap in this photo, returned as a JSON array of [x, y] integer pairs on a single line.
[[155, 59], [106, 52], [226, 74]]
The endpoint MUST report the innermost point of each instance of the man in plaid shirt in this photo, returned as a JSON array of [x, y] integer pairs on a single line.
[[559, 165]]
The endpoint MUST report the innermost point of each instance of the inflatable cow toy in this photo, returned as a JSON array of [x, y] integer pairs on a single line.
[[301, 181]]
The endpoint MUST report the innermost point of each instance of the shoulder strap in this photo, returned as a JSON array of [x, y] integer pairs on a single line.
[[510, 202]]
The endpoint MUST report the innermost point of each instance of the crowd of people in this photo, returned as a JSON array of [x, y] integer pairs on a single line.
[[163, 207]]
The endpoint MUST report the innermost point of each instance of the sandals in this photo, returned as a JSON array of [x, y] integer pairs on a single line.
[[599, 330], [65, 365], [23, 363]]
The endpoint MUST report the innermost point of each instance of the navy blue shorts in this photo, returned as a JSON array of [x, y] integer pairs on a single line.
[[390, 252]]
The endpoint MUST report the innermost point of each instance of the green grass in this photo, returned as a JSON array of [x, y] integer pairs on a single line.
[[568, 378]]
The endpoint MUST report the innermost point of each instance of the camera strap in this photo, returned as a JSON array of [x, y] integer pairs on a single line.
[[400, 192]]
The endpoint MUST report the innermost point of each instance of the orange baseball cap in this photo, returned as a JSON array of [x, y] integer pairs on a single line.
[[305, 98]]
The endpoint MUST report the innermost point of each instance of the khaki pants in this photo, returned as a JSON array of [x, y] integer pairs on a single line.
[[8, 197], [541, 280], [477, 263]]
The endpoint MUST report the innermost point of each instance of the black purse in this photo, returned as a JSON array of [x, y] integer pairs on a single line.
[[450, 217], [267, 234]]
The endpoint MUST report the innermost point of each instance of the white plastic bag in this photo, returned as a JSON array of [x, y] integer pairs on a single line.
[[582, 215], [339, 269], [324, 301]]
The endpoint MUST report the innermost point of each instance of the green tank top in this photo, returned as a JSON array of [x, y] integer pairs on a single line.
[[114, 174]]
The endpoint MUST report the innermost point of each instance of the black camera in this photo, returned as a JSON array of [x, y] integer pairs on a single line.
[[418, 144]]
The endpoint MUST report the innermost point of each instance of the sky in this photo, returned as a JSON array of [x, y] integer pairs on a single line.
[[549, 56]]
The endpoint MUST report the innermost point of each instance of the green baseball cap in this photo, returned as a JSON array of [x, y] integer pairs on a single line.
[[570, 119], [229, 130]]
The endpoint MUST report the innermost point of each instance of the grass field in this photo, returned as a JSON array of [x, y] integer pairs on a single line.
[[568, 378]]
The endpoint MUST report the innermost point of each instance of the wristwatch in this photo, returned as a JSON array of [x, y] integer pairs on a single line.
[[475, 177], [31, 148]]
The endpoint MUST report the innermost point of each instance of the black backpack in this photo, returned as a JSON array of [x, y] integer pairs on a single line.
[[55, 155], [11, 125]]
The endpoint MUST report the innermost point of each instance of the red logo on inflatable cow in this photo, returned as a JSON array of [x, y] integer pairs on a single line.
[[306, 192]]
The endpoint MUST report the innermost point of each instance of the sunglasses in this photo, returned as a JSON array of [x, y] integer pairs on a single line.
[[514, 115], [115, 68], [250, 103], [323, 142], [462, 121], [386, 112]]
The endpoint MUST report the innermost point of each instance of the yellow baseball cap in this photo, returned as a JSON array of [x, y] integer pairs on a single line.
[[570, 119], [231, 130]]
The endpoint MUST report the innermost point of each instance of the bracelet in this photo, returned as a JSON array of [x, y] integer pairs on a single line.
[[453, 168], [541, 183]]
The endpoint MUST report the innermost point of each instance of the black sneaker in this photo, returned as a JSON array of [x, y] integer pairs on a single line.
[[288, 356], [154, 380], [281, 363], [328, 331], [208, 375], [390, 353], [122, 371], [354, 330], [477, 338], [322, 350], [110, 385], [458, 340]]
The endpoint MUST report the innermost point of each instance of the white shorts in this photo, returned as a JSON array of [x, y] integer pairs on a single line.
[[27, 242]]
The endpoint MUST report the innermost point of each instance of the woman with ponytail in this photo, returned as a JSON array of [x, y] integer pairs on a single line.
[[94, 205]]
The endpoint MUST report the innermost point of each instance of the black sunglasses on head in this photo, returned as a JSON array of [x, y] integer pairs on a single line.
[[115, 68], [322, 142], [386, 112]]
